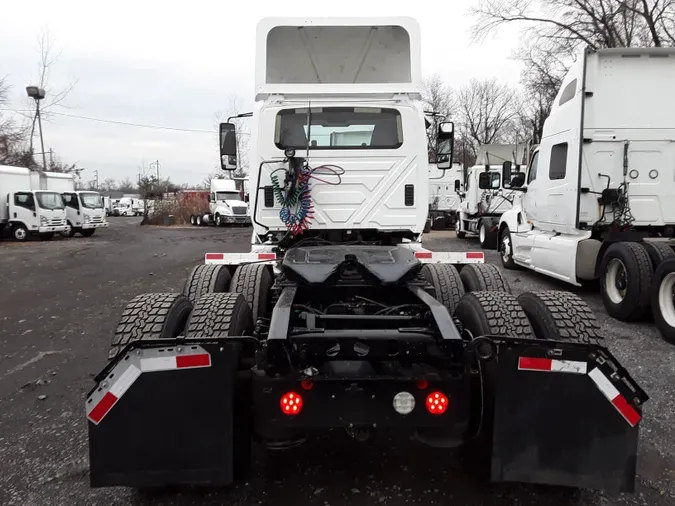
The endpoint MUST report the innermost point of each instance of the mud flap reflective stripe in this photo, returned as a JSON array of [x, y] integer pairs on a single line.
[[132, 365], [609, 391], [615, 397], [265, 258]]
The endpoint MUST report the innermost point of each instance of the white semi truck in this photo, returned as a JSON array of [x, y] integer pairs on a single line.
[[339, 319], [481, 204], [27, 206], [598, 198], [227, 205], [85, 209], [444, 188]]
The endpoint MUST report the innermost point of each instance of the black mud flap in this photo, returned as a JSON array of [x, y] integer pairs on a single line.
[[566, 416], [163, 416]]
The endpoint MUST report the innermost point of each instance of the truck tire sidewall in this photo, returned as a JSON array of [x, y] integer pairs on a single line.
[[662, 299], [87, 232], [219, 221], [631, 258], [20, 233], [505, 248]]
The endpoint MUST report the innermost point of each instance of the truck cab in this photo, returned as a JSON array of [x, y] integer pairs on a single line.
[[226, 204], [85, 212]]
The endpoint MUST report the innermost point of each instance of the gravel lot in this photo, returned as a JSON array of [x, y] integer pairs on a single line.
[[58, 308]]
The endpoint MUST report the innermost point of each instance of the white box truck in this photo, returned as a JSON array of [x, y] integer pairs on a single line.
[[598, 198], [444, 188], [85, 210], [27, 206]]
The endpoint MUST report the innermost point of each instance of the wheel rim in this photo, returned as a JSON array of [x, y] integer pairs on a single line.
[[218, 220], [506, 248], [482, 233], [615, 281], [666, 296], [20, 234]]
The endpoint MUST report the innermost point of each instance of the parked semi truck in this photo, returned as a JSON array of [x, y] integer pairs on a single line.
[[27, 206], [482, 203], [85, 210], [227, 205], [339, 318], [444, 187], [598, 198]]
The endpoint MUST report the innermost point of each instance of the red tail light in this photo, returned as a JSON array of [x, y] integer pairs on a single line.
[[437, 403], [291, 403]]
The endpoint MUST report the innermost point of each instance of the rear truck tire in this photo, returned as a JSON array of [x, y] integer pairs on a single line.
[[560, 316], [487, 238], [20, 233], [193, 220], [625, 279], [662, 299], [483, 278], [223, 315], [87, 232], [253, 281], [205, 279], [448, 287], [151, 316], [46, 236], [506, 249], [657, 252], [497, 314], [198, 220]]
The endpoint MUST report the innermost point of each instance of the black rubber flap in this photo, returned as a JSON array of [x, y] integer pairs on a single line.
[[558, 428], [169, 427]]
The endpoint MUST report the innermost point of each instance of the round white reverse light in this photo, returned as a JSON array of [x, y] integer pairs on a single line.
[[404, 403]]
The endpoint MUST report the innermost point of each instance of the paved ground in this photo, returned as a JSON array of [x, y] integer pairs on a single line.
[[58, 307]]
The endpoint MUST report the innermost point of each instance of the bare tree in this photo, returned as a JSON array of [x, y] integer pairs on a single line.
[[235, 106], [109, 184], [126, 186], [439, 100], [487, 110]]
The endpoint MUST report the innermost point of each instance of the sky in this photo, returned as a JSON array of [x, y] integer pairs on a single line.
[[176, 65]]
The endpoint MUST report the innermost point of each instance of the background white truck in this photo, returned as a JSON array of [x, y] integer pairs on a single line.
[[482, 202], [598, 201], [27, 206], [444, 188], [85, 210], [227, 205]]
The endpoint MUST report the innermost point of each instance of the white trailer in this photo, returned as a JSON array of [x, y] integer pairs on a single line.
[[85, 210], [27, 207], [444, 189], [481, 204], [227, 206], [598, 198]]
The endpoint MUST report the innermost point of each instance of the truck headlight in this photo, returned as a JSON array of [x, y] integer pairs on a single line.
[[44, 221], [86, 218]]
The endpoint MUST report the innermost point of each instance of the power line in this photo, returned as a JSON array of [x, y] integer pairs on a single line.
[[114, 122]]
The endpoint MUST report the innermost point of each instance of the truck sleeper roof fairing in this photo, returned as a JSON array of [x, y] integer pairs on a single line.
[[338, 56]]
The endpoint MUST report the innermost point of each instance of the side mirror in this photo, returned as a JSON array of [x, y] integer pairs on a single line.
[[457, 186], [445, 144], [228, 146], [484, 180], [506, 171]]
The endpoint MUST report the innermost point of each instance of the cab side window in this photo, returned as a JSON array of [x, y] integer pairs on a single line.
[[70, 199], [532, 175], [24, 200]]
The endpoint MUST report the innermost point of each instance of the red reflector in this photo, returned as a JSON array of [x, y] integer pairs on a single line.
[[534, 364], [102, 408], [267, 256], [437, 403], [422, 384], [423, 254], [307, 384], [184, 361], [626, 410], [215, 256], [474, 254], [290, 403]]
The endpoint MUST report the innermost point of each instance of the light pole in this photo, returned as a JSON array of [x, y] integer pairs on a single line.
[[38, 94]]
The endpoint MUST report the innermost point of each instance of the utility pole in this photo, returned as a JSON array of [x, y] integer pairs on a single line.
[[51, 157], [96, 179], [157, 170]]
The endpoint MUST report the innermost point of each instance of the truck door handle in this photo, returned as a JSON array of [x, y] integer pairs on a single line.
[[34, 214], [15, 215], [78, 213]]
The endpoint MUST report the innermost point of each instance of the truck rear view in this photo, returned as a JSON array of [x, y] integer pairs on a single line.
[[340, 320]]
